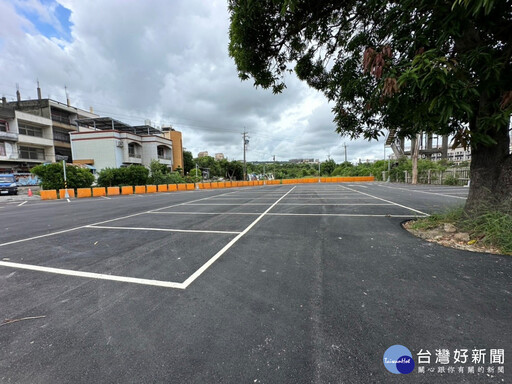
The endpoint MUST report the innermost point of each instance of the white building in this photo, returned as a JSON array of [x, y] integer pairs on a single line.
[[108, 143]]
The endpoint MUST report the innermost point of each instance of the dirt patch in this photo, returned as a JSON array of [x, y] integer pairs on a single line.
[[449, 236]]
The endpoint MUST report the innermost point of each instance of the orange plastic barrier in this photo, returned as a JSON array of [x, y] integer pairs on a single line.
[[190, 186], [62, 193], [162, 188], [83, 192], [150, 188], [127, 190], [49, 194], [99, 191], [113, 191], [172, 187], [182, 187], [139, 189]]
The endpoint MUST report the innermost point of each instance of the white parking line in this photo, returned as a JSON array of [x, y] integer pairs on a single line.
[[19, 205], [205, 266], [336, 214], [162, 229], [387, 201], [207, 213], [90, 275], [334, 204], [238, 205], [429, 193]]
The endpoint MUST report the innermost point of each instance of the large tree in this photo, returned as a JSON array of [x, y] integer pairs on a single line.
[[412, 66]]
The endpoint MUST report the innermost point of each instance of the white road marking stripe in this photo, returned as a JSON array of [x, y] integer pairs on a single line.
[[91, 275], [429, 193], [206, 265], [337, 214], [40, 236], [238, 205], [163, 229], [19, 205], [207, 213], [333, 204], [387, 201], [285, 214]]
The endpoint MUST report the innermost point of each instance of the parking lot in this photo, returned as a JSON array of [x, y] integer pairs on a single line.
[[286, 283]]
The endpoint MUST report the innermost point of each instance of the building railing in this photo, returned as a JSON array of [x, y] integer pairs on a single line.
[[61, 119]]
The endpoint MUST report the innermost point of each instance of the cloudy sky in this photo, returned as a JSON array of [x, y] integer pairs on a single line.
[[165, 61]]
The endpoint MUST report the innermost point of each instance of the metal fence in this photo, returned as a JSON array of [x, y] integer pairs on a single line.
[[452, 176]]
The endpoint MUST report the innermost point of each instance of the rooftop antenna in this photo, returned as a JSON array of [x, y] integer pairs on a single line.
[[38, 90], [18, 95], [67, 96]]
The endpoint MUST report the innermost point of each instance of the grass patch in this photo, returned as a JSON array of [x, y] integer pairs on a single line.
[[491, 227]]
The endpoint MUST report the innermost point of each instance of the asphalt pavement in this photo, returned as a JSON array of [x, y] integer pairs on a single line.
[[276, 284]]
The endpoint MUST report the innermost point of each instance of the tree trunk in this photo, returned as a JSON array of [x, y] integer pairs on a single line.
[[491, 173], [415, 147]]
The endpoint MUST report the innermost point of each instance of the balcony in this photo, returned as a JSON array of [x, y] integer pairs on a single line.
[[9, 136], [61, 119]]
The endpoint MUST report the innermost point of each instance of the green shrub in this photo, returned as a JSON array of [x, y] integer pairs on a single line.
[[450, 180], [52, 176], [131, 175], [174, 178]]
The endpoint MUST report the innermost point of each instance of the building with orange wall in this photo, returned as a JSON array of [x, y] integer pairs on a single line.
[[177, 146]]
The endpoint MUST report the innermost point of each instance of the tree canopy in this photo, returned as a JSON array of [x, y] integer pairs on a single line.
[[414, 66]]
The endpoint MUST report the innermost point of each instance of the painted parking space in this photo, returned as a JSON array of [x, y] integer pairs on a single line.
[[155, 230], [187, 228], [264, 284]]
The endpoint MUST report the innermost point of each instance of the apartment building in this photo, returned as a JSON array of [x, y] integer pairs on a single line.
[[26, 140], [36, 131]]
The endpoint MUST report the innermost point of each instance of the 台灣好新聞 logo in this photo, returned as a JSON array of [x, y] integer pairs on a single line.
[[398, 359]]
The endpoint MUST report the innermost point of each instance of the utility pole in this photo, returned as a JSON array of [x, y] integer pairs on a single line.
[[246, 142], [274, 160], [345, 146]]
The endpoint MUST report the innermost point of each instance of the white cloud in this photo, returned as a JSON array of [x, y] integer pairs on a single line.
[[167, 61]]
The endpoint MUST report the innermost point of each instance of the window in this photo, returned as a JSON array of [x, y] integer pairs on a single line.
[[4, 126], [30, 130], [163, 152], [32, 153], [2, 148], [61, 135], [134, 150]]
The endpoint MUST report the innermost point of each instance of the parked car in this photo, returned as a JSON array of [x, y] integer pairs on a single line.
[[8, 184]]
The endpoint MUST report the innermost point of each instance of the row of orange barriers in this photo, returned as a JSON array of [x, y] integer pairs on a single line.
[[53, 194]]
